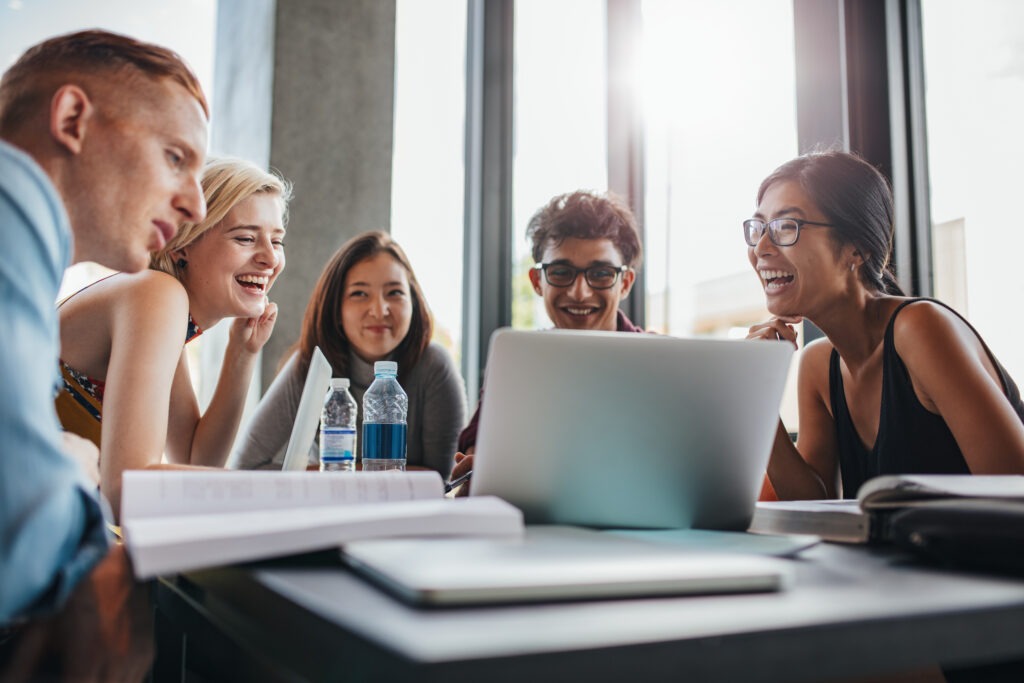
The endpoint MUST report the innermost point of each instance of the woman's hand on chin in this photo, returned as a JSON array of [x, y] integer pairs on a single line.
[[782, 327], [252, 333]]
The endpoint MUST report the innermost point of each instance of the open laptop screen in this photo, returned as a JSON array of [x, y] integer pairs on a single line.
[[608, 429]]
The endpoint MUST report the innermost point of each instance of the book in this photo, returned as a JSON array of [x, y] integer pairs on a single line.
[[866, 518], [177, 521]]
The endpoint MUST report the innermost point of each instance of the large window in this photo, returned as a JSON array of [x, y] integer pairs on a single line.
[[560, 122], [428, 172], [974, 72], [720, 114]]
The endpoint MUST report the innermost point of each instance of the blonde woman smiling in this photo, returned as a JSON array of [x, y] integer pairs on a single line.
[[127, 384]]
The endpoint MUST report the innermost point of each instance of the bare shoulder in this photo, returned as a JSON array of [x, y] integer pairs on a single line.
[[151, 297], [814, 367], [815, 356], [928, 325]]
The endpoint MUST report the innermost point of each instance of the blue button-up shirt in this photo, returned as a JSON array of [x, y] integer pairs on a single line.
[[52, 530]]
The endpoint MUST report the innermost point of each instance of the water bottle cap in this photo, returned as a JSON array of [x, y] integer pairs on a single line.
[[339, 383], [385, 367]]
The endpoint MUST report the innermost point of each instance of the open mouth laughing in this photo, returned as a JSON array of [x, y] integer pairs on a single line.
[[775, 279], [256, 284]]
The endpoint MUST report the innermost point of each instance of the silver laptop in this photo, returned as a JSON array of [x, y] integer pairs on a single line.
[[608, 429], [553, 563], [307, 417]]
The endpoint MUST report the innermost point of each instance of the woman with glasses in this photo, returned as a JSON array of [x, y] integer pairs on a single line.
[[898, 384], [367, 306], [586, 247]]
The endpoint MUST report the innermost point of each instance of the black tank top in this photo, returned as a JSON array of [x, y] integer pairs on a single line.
[[911, 439]]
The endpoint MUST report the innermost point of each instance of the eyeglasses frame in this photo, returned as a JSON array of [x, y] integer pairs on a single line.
[[619, 272], [800, 223]]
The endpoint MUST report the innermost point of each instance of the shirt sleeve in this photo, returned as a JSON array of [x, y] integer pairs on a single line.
[[265, 437], [444, 409], [52, 526]]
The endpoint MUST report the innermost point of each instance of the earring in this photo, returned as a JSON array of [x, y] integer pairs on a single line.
[[181, 263], [853, 267]]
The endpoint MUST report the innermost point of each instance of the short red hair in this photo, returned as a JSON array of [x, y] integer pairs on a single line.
[[30, 83]]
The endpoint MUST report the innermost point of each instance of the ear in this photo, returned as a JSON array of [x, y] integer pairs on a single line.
[[628, 278], [71, 111], [535, 276]]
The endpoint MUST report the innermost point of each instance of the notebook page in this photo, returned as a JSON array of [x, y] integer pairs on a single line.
[[158, 493]]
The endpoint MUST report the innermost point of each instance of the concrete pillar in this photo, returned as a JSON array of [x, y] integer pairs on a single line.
[[331, 135]]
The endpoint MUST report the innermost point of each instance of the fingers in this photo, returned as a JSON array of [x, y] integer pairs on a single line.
[[777, 328], [463, 464]]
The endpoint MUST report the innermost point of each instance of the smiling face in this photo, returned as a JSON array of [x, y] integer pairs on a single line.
[[139, 172], [376, 308], [233, 265], [801, 278], [579, 306]]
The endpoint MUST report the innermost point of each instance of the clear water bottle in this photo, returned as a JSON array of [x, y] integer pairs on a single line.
[[385, 406], [338, 429]]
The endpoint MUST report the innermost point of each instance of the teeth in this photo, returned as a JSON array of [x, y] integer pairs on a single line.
[[580, 311], [767, 275], [260, 280]]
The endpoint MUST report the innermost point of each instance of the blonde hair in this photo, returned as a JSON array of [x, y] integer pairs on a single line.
[[226, 183]]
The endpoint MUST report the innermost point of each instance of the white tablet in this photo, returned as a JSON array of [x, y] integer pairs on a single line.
[[307, 417]]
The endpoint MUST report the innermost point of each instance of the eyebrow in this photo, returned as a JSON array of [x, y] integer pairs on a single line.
[[386, 284], [783, 212], [598, 262], [255, 228]]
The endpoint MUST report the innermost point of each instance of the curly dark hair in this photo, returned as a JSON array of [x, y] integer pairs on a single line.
[[589, 216]]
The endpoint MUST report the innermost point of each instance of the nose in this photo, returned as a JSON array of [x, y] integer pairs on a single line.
[[379, 306], [580, 288], [190, 202], [266, 254], [764, 244]]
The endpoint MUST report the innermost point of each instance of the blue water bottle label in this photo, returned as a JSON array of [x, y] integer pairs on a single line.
[[337, 444], [384, 441]]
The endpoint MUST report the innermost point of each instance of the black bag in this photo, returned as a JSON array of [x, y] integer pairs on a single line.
[[984, 535]]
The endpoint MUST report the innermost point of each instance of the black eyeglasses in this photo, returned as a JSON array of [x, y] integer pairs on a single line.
[[783, 232], [564, 275]]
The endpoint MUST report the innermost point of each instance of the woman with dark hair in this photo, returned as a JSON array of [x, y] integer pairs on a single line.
[[367, 306], [898, 384]]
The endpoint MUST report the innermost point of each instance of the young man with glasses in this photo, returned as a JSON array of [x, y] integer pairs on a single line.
[[587, 248]]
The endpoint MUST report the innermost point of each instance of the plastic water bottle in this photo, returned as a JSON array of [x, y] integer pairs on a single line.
[[338, 429], [385, 406]]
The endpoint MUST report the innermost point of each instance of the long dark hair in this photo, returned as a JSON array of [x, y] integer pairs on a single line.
[[321, 325], [856, 199]]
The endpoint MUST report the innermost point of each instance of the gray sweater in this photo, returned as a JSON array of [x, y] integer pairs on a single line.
[[437, 412]]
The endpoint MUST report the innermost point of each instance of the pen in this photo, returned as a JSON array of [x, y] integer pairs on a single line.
[[455, 482]]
